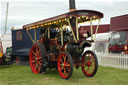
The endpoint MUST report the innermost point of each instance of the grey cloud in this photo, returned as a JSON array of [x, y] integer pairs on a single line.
[[24, 12]]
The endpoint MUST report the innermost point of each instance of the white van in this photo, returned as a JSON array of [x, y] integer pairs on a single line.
[[6, 41], [4, 58]]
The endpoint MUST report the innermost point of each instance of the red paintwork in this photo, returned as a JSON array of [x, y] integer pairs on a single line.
[[35, 60], [65, 67], [102, 29], [119, 23], [117, 48], [53, 42], [66, 64], [76, 13], [1, 52], [88, 64], [1, 47]]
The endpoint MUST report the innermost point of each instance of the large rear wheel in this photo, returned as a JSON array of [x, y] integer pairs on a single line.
[[36, 58], [65, 65], [89, 64]]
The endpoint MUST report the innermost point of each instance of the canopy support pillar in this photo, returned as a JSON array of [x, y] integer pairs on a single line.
[[62, 42], [30, 36], [48, 33], [97, 28], [91, 28], [72, 30], [77, 31], [35, 34]]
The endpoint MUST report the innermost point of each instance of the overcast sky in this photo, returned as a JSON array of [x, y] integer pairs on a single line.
[[22, 12]]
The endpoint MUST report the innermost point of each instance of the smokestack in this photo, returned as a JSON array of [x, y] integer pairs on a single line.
[[72, 5]]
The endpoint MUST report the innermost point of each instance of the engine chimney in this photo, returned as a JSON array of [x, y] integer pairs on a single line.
[[72, 5]]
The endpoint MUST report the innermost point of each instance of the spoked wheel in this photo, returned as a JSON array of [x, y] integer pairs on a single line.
[[65, 65], [89, 64], [36, 57]]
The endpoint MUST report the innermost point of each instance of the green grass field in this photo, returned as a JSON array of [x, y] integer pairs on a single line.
[[22, 75]]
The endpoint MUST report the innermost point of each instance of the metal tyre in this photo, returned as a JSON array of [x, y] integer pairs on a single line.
[[36, 58], [89, 64], [65, 65]]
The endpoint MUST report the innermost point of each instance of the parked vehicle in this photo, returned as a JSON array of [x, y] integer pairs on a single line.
[[4, 58], [58, 42], [119, 37], [6, 41], [101, 38], [1, 49], [62, 48], [103, 28], [101, 43], [21, 44]]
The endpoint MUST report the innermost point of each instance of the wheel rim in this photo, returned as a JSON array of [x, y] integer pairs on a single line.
[[17, 60], [89, 64], [64, 66], [35, 59]]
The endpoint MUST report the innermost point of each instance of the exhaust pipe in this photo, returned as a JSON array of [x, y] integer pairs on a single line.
[[72, 6]]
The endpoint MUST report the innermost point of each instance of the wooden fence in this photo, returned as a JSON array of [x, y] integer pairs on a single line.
[[119, 61]]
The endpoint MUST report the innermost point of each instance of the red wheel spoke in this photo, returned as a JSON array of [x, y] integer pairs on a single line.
[[34, 53], [89, 66], [64, 58], [92, 67], [36, 66], [61, 61], [62, 68], [36, 50], [68, 61], [39, 63], [38, 53], [67, 65], [33, 61], [65, 71], [88, 70], [39, 58], [68, 69]]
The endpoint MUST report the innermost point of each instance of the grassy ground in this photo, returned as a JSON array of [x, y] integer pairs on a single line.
[[22, 75]]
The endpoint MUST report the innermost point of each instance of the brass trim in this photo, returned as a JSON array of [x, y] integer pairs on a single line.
[[35, 34], [30, 36], [97, 28], [62, 35], [77, 31], [48, 33], [91, 28], [72, 30]]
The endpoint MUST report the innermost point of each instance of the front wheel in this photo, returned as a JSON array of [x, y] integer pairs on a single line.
[[65, 65], [89, 64]]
